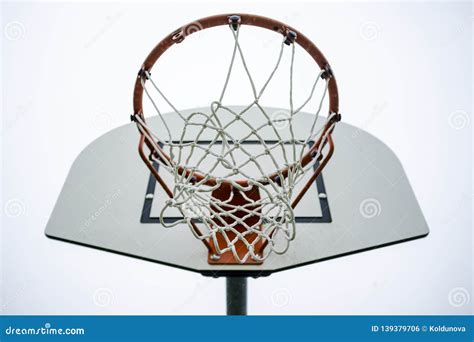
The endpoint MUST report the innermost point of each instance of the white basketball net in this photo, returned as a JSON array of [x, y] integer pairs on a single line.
[[274, 219]]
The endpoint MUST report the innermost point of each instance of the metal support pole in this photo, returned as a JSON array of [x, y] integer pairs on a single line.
[[236, 296]]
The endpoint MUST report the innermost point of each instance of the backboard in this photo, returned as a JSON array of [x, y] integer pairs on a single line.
[[361, 201]]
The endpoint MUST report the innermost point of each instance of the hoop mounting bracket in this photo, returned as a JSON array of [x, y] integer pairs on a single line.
[[143, 73], [290, 37], [337, 117], [327, 73]]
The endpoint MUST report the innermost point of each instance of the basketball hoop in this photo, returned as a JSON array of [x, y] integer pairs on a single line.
[[240, 216]]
